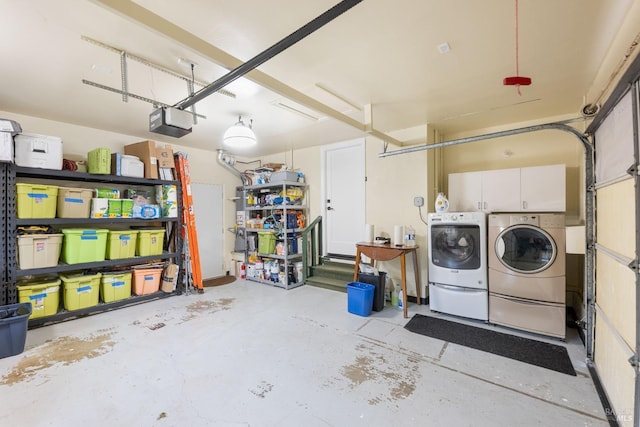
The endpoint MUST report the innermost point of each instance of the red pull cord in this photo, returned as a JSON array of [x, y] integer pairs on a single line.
[[517, 43]]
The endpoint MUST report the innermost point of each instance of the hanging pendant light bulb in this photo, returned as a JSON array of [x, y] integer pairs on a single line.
[[240, 135]]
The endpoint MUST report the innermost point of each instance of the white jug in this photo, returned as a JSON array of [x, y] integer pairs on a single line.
[[442, 204]]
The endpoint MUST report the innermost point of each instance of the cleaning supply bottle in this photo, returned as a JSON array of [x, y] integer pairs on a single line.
[[442, 204], [409, 236], [394, 296], [400, 299]]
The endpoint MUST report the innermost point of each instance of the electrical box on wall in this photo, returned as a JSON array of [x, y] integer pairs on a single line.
[[418, 201]]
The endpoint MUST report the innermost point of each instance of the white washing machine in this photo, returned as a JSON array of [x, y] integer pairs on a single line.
[[458, 264], [527, 272]]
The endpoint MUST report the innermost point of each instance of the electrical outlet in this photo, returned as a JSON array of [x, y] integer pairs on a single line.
[[418, 202]]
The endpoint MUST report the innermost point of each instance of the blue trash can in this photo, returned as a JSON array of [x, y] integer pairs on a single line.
[[13, 328], [360, 298]]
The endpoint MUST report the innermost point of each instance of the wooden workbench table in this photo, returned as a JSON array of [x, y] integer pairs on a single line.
[[388, 252]]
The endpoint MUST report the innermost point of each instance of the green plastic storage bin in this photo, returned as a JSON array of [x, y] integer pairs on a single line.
[[43, 294], [150, 242], [36, 201], [266, 242], [83, 245], [80, 291], [121, 244], [115, 286], [99, 161]]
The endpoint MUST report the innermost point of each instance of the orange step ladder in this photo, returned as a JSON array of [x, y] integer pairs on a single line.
[[189, 232]]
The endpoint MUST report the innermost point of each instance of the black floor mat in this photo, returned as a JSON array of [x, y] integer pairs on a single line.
[[533, 352]]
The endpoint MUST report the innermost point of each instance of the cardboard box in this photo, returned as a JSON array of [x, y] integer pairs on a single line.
[[165, 157], [146, 152], [275, 166]]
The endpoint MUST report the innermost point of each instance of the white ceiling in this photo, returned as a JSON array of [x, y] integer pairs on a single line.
[[381, 53]]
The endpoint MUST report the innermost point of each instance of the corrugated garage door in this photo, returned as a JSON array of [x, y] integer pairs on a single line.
[[614, 323]]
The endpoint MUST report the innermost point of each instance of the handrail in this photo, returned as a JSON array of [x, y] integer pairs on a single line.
[[314, 232]]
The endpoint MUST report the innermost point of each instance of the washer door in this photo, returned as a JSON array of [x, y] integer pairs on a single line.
[[525, 249], [455, 246]]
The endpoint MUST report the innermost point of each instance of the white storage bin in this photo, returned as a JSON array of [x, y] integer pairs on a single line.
[[132, 166], [284, 176], [38, 151], [126, 165]]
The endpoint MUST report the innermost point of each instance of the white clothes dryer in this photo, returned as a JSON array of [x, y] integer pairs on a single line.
[[527, 272], [458, 264]]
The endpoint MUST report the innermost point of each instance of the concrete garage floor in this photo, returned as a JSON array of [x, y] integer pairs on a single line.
[[247, 354]]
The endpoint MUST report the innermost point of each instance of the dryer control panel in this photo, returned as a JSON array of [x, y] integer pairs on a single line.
[[542, 220]]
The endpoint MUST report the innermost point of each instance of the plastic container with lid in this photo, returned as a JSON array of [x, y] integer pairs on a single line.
[[84, 245], [36, 201], [132, 166]]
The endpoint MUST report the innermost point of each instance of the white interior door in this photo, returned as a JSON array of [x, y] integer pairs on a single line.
[[207, 207], [344, 196]]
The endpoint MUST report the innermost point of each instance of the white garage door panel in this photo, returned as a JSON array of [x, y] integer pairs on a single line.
[[615, 207], [614, 142], [616, 288], [615, 372]]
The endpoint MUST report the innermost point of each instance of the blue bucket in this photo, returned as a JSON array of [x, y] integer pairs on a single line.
[[360, 298]]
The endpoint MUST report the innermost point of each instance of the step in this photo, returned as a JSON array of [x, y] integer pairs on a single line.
[[327, 283], [333, 271]]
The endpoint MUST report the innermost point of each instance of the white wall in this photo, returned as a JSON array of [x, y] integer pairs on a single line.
[[391, 186], [392, 183]]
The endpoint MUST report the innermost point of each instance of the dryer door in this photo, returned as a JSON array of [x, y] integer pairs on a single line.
[[525, 249], [456, 246]]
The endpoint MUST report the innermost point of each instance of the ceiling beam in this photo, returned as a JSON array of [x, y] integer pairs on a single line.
[[145, 17], [269, 53]]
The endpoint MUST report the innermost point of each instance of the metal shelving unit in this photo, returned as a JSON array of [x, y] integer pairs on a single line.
[[268, 208], [8, 238]]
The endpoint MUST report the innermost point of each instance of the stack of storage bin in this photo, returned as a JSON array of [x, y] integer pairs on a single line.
[[37, 250]]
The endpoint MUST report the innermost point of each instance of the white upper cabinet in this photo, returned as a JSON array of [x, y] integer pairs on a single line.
[[465, 192], [543, 189], [501, 190], [533, 189]]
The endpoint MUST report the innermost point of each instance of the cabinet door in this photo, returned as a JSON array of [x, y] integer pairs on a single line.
[[543, 189], [501, 190], [465, 192]]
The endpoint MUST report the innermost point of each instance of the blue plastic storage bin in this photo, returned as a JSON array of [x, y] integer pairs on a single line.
[[360, 298], [13, 328]]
